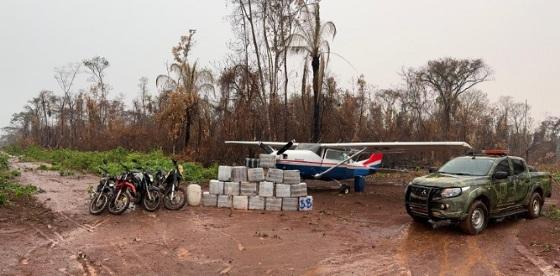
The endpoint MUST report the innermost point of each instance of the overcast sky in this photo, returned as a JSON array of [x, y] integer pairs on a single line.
[[520, 40]]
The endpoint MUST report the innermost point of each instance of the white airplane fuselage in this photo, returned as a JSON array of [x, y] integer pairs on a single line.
[[310, 164]]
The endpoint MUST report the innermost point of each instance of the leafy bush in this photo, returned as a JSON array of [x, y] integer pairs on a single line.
[[65, 161], [9, 189], [553, 212], [4, 163]]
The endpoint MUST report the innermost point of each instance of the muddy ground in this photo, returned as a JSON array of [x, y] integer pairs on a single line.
[[363, 234]]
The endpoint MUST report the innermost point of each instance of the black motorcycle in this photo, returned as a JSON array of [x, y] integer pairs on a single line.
[[103, 193], [174, 196]]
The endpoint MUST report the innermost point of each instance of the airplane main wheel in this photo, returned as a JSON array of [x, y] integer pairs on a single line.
[[345, 189]]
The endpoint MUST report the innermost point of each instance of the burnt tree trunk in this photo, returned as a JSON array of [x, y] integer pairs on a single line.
[[316, 134]]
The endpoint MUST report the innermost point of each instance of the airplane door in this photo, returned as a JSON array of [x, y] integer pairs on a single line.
[[332, 158]]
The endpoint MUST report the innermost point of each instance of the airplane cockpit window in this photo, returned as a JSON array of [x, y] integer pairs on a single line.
[[336, 155]]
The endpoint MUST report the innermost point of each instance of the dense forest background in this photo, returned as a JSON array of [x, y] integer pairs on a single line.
[[194, 110]]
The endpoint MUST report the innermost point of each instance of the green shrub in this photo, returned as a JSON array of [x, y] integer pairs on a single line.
[[553, 212], [8, 189], [67, 161], [4, 163]]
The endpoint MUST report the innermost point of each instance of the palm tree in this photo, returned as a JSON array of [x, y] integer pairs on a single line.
[[184, 85], [311, 39]]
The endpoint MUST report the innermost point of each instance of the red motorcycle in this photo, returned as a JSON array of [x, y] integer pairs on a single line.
[[121, 199]]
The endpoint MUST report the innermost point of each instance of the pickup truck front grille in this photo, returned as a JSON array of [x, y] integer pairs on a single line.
[[418, 199]]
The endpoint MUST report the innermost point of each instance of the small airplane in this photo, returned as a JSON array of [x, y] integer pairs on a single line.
[[335, 161]]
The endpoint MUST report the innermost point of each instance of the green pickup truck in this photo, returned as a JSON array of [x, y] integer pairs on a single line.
[[470, 190]]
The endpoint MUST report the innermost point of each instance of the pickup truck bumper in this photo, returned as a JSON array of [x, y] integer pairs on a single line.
[[420, 202]]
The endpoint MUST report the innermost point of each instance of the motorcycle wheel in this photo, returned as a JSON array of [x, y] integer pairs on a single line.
[[118, 205], [178, 201], [152, 205], [137, 198], [98, 203]]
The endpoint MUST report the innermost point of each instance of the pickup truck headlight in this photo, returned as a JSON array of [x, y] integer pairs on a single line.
[[450, 192]]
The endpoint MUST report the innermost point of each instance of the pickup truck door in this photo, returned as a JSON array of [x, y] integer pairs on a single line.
[[521, 180], [503, 188]]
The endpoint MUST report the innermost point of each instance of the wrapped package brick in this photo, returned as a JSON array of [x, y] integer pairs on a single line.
[[266, 189], [239, 173], [231, 188], [275, 175], [248, 189]]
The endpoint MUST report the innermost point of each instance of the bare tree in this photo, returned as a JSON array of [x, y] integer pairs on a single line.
[[450, 78]]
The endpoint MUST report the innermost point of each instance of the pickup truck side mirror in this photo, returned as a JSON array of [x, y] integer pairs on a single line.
[[433, 169], [500, 175]]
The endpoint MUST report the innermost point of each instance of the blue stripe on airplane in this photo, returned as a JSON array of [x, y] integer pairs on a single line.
[[339, 173]]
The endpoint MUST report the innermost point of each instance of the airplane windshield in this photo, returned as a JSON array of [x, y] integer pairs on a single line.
[[336, 155]]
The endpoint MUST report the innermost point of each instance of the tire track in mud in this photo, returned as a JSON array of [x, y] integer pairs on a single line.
[[383, 260], [497, 251]]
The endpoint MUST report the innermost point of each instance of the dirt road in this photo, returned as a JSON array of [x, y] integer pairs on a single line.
[[364, 234]]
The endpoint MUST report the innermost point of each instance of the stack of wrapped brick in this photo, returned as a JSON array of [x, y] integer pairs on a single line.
[[265, 188]]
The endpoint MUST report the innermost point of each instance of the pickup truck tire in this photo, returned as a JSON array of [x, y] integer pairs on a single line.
[[476, 220], [535, 206]]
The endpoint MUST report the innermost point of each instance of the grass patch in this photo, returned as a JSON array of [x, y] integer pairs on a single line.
[[9, 189], [68, 161], [553, 212]]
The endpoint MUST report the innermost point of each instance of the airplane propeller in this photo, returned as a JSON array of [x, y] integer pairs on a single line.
[[285, 147]]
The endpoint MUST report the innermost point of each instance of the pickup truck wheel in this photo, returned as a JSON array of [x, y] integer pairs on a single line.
[[476, 220], [535, 206]]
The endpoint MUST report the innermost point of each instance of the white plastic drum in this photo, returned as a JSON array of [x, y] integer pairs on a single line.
[[194, 194]]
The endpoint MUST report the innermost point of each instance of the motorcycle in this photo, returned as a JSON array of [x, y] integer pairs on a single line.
[[121, 199], [144, 191], [103, 193], [174, 197]]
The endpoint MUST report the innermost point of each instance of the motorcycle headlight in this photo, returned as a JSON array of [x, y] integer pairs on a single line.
[[450, 192]]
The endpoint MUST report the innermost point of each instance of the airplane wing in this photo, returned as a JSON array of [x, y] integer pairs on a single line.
[[257, 143], [401, 146], [379, 146]]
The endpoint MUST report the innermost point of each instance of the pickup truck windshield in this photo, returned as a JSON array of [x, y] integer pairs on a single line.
[[467, 166]]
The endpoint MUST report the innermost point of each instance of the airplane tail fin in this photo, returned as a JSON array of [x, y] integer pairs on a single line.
[[374, 161]]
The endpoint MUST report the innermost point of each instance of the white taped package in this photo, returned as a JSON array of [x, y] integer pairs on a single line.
[[248, 189], [266, 189], [291, 177], [224, 173], [240, 202], [298, 190], [283, 190], [255, 175], [216, 187], [290, 204], [224, 201], [275, 175], [273, 204], [209, 200], [231, 188], [267, 160], [256, 202], [239, 173]]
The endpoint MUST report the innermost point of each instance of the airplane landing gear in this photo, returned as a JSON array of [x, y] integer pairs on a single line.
[[359, 184], [344, 189]]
